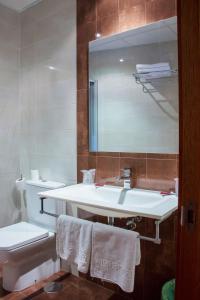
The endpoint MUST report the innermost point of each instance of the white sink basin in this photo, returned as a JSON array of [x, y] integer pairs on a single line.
[[116, 202]]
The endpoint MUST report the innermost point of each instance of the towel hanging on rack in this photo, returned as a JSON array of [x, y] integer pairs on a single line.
[[115, 253], [73, 241]]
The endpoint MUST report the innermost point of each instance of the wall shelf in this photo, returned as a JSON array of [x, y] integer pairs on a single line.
[[140, 78]]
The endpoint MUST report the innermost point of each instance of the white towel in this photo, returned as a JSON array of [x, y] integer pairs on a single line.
[[152, 68], [144, 66], [115, 253], [155, 75], [73, 241]]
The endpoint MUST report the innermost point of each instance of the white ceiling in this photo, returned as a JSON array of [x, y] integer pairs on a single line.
[[158, 32], [18, 5]]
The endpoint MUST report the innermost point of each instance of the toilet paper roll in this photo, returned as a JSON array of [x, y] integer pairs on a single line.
[[35, 175], [20, 184]]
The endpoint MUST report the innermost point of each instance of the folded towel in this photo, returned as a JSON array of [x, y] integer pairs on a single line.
[[149, 70], [155, 75], [153, 68], [115, 253], [158, 65], [73, 241]]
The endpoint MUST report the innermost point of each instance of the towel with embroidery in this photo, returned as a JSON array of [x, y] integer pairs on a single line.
[[73, 241], [115, 253]]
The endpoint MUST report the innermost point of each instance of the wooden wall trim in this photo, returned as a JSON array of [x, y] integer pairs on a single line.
[[188, 250]]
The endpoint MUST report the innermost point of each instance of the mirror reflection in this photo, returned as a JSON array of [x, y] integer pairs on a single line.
[[133, 97]]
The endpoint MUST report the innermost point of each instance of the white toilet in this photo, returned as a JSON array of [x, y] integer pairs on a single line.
[[28, 249]]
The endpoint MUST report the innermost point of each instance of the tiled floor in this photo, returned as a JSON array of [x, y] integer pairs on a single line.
[[74, 288]]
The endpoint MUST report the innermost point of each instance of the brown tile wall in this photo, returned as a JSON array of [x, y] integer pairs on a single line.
[[152, 171]]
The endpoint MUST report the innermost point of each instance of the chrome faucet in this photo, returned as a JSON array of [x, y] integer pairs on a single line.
[[127, 177]]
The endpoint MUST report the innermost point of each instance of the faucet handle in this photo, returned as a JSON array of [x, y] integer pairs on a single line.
[[126, 172]]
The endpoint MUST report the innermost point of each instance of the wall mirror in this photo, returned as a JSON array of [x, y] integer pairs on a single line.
[[133, 90]]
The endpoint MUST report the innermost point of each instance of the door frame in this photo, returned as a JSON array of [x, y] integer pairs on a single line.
[[188, 243]]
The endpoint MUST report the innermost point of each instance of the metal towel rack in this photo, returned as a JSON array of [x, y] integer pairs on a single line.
[[155, 240], [140, 79]]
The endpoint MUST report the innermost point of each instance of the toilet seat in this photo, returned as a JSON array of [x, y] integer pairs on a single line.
[[20, 234]]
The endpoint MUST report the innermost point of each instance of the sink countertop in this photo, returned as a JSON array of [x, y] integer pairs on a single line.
[[137, 202]]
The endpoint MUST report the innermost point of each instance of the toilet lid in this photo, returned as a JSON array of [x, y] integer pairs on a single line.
[[20, 234]]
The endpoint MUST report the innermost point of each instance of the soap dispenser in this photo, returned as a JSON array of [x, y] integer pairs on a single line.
[[88, 176]]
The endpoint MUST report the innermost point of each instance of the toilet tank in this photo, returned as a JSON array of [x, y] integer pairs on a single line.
[[33, 203]]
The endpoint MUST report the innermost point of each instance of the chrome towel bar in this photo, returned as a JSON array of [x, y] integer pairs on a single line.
[[155, 240]]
